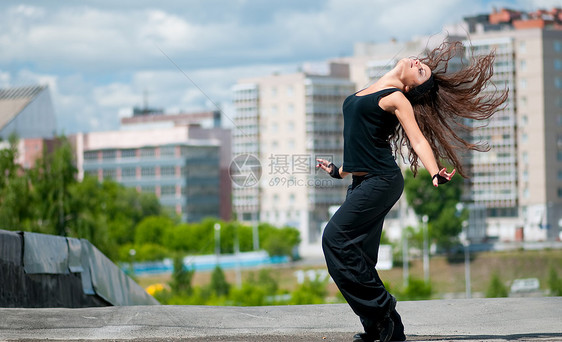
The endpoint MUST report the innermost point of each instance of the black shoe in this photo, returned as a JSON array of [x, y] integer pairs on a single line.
[[386, 325], [364, 337], [386, 328]]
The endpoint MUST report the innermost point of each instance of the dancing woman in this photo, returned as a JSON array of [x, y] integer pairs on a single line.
[[421, 105]]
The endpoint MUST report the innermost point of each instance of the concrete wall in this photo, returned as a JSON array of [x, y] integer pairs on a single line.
[[39, 271]]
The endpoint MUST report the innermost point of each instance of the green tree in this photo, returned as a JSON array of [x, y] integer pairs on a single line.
[[152, 230], [554, 283], [248, 295], [53, 176], [89, 220], [181, 278], [266, 281], [496, 288], [439, 204], [278, 241], [219, 286], [126, 208], [417, 289], [309, 292], [15, 196]]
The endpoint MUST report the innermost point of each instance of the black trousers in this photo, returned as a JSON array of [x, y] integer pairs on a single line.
[[351, 243]]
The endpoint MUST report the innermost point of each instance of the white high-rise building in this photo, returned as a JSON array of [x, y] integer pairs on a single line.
[[520, 180], [283, 123], [515, 189]]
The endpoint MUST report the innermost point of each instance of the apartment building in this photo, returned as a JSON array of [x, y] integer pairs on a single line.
[[282, 124], [515, 189], [205, 126], [519, 181], [181, 171]]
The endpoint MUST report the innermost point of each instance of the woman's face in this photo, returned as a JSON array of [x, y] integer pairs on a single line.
[[414, 72]]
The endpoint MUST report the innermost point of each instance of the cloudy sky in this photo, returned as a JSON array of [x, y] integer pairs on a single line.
[[100, 57]]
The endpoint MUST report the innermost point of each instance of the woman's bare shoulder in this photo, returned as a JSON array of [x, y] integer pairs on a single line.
[[393, 101]]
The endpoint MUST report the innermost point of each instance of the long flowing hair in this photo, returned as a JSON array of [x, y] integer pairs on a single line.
[[445, 115]]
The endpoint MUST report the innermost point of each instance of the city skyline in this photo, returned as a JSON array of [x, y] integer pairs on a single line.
[[100, 59]]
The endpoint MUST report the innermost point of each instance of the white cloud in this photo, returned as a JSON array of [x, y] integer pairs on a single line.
[[100, 57], [115, 95], [5, 79]]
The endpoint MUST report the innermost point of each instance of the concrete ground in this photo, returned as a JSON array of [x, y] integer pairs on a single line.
[[466, 320]]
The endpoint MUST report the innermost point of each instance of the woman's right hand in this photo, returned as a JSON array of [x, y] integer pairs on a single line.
[[329, 167], [325, 165]]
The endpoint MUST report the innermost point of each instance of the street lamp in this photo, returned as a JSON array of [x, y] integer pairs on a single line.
[[466, 244], [217, 241], [425, 249], [405, 265], [132, 253]]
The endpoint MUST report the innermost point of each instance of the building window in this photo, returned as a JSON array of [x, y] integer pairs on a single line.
[[150, 189], [147, 152], [91, 155], [522, 46], [167, 151], [290, 90], [108, 154], [559, 192], [559, 119], [560, 175], [557, 46], [148, 171], [128, 172], [523, 83], [128, 153], [524, 137], [558, 64], [523, 65], [167, 171], [167, 190], [558, 82], [559, 155], [109, 173], [290, 109]]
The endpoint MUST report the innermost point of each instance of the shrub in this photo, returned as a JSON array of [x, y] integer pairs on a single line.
[[554, 283], [496, 288]]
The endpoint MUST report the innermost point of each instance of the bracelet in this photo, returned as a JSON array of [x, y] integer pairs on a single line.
[[335, 172], [440, 179]]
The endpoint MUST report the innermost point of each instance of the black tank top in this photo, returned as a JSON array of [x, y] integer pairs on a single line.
[[366, 131]]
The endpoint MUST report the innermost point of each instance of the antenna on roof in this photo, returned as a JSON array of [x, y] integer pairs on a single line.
[[145, 99]]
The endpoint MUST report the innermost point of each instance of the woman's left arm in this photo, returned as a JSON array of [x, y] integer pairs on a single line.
[[405, 114]]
